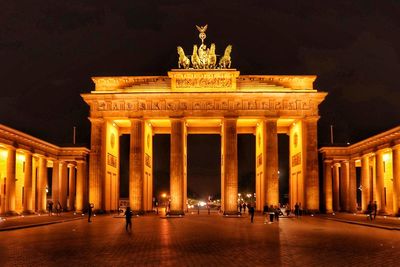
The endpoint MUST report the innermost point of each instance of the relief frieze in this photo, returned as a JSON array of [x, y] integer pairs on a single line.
[[176, 105]]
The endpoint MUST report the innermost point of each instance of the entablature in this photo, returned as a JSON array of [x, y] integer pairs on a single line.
[[204, 104], [370, 145], [24, 142]]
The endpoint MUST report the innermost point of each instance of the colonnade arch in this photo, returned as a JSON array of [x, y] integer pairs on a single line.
[[179, 104]]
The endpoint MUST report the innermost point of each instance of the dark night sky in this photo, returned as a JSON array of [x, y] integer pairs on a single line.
[[50, 49]]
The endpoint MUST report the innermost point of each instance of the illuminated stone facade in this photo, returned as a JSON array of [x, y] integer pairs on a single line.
[[26, 161], [377, 179], [215, 101]]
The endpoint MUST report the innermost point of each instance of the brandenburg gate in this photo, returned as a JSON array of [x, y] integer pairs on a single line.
[[203, 97]]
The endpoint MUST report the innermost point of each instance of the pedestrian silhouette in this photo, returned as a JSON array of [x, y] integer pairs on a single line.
[[50, 207], [90, 210], [296, 209], [58, 208], [128, 219], [375, 209], [251, 211], [369, 210]]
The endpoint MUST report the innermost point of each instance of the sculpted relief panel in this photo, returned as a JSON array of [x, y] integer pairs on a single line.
[[138, 105], [204, 83]]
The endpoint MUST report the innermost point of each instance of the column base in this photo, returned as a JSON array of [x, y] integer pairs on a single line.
[[175, 213], [138, 212], [314, 211], [232, 213], [28, 212], [99, 211], [11, 213]]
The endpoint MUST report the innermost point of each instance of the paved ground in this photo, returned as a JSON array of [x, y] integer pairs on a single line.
[[18, 222], [200, 240], [385, 222]]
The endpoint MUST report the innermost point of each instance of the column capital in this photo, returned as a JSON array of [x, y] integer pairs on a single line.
[[25, 151], [177, 118], [336, 163], [396, 147], [96, 120], [231, 117], [273, 119], [328, 161], [10, 147], [40, 156], [138, 118], [344, 162], [311, 118], [383, 147], [380, 152], [366, 156]]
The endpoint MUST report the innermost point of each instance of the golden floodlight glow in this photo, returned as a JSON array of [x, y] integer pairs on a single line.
[[20, 157], [122, 123], [386, 157], [3, 153]]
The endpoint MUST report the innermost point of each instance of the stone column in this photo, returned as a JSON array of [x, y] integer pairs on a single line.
[[96, 166], [63, 185], [365, 183], [72, 188], [41, 186], [310, 146], [328, 186], [177, 172], [352, 190], [396, 179], [271, 164], [136, 165], [344, 185], [55, 190], [380, 181], [230, 166], [80, 185], [10, 182], [28, 189], [336, 200]]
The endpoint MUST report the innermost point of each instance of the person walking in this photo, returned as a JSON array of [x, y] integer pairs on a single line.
[[58, 208], [128, 219], [287, 210], [369, 211], [50, 207], [277, 211], [251, 211], [296, 210], [90, 210], [374, 209]]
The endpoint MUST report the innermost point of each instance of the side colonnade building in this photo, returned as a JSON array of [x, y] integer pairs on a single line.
[[364, 172], [33, 172]]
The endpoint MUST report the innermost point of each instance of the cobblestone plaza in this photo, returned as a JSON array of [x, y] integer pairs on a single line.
[[200, 240]]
